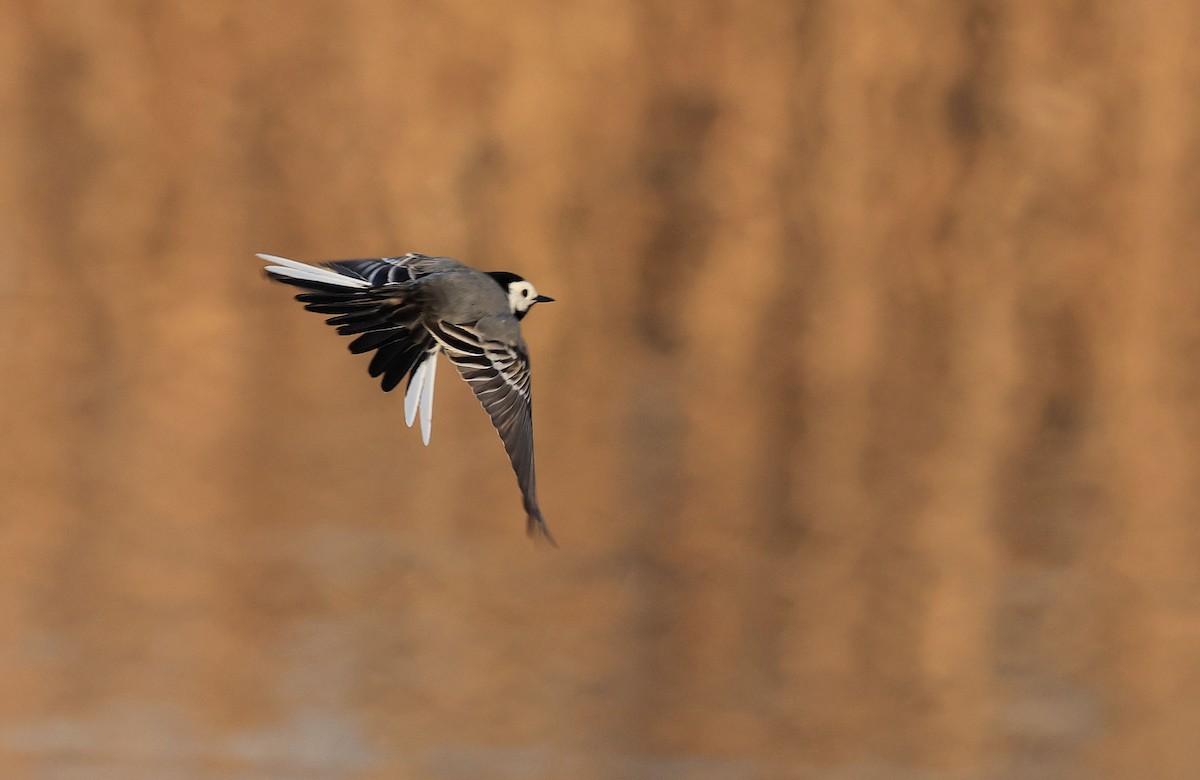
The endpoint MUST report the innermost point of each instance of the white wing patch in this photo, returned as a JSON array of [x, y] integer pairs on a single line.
[[293, 269], [419, 396], [512, 370]]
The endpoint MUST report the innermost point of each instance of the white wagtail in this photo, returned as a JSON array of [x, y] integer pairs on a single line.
[[411, 308]]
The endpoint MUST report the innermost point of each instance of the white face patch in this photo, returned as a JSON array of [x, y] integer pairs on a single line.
[[521, 296]]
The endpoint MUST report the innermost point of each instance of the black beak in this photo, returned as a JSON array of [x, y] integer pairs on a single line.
[[543, 299]]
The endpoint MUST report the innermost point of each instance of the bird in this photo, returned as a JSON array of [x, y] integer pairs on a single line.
[[410, 309]]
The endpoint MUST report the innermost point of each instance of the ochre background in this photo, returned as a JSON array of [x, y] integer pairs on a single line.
[[868, 418]]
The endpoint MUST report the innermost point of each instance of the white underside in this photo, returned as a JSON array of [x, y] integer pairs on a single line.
[[419, 397]]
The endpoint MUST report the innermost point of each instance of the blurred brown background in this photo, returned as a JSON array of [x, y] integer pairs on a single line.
[[867, 419]]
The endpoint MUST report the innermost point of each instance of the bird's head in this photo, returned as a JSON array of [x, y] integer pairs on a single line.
[[521, 293]]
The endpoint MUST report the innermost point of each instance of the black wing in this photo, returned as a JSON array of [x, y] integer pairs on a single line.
[[498, 373], [376, 302]]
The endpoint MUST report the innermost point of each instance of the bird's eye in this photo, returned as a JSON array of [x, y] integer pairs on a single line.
[[524, 292]]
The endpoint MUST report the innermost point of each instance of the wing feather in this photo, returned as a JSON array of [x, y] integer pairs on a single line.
[[377, 302], [412, 396], [498, 373], [427, 397]]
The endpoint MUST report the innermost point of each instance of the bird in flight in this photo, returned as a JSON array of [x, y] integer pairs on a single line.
[[410, 309]]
